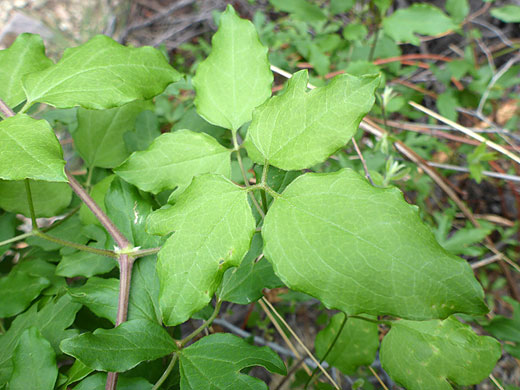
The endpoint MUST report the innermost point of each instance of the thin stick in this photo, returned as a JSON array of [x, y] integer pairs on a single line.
[[493, 81], [493, 379], [283, 335], [300, 342], [377, 377], [466, 131], [118, 237], [358, 151], [332, 344]]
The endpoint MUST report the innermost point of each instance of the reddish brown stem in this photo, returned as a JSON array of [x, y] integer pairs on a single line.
[[118, 237]]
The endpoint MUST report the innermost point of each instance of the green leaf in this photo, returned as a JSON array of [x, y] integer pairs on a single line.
[[302, 9], [101, 295], [17, 291], [235, 78], [99, 136], [49, 199], [36, 266], [389, 263], [97, 192], [34, 363], [447, 104], [26, 55], [30, 150], [507, 329], [99, 380], [121, 348], [244, 284], [146, 130], [129, 210], [87, 264], [423, 19], [356, 345], [299, 129], [51, 321], [101, 74], [507, 13], [458, 9], [222, 357], [173, 159], [339, 6], [75, 373], [213, 227], [428, 354], [144, 299]]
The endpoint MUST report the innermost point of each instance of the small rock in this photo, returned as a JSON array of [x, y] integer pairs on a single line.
[[20, 23]]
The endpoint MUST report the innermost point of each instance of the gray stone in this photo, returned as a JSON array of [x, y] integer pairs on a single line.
[[20, 23]]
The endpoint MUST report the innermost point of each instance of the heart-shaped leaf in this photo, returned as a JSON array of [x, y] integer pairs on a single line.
[[368, 246]]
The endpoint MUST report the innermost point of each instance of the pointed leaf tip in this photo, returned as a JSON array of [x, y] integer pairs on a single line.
[[236, 76]]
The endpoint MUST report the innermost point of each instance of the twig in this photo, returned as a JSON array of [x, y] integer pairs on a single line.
[[154, 19], [377, 377], [495, 382], [331, 345], [260, 341], [493, 81], [283, 335], [367, 173], [466, 131], [495, 175], [293, 333]]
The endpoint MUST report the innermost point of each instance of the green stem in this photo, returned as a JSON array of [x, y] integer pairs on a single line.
[[206, 323], [85, 248], [166, 373], [17, 238], [144, 252], [236, 148], [328, 350], [31, 233], [25, 107], [2, 329], [31, 205], [264, 183]]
